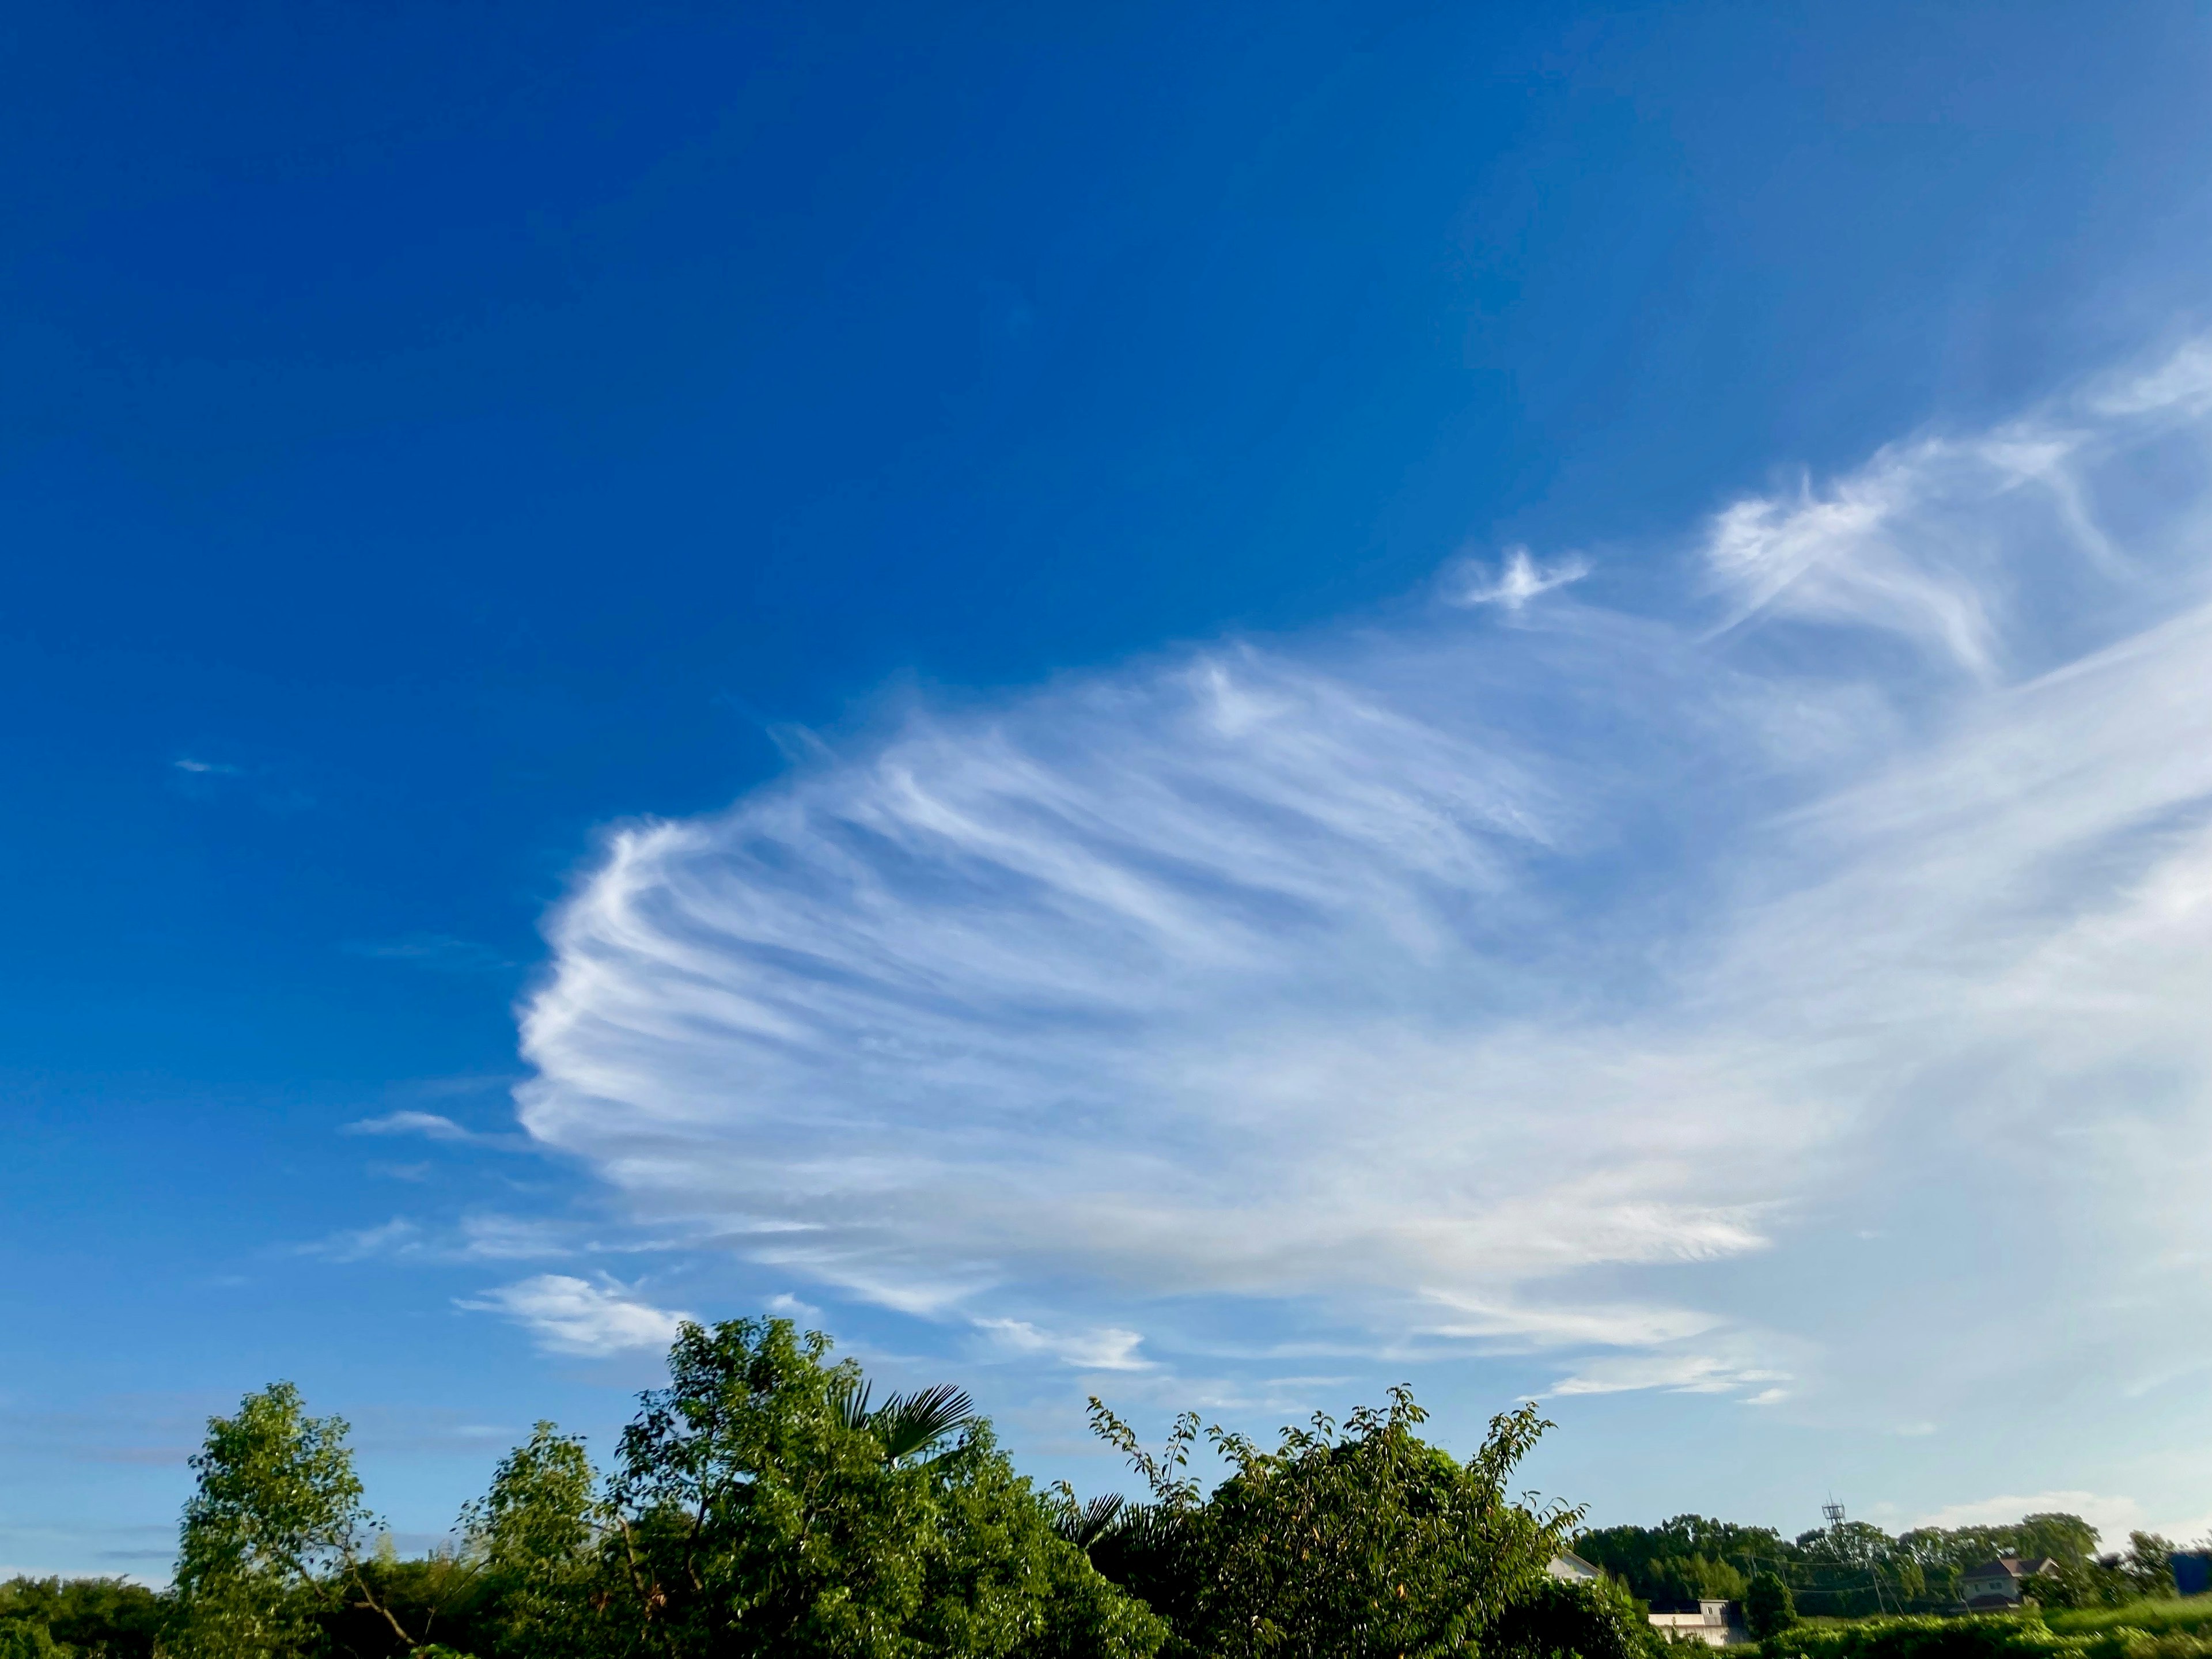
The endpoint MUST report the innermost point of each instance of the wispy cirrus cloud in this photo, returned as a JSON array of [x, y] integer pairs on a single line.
[[586, 1317], [1517, 987], [1099, 1350], [432, 1126], [1517, 580], [436, 1126]]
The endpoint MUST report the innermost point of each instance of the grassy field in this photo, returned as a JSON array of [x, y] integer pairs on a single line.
[[2193, 1615]]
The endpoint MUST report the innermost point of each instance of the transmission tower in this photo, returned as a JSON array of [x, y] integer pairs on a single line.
[[1832, 1512]]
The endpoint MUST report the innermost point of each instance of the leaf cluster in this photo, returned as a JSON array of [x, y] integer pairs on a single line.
[[1351, 1540]]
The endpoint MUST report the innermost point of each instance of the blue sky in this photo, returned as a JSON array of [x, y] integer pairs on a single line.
[[1217, 709]]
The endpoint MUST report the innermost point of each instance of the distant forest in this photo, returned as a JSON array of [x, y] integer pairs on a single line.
[[1854, 1570]]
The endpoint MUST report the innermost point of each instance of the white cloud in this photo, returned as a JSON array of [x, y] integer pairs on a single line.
[[1678, 1373], [1604, 985], [489, 1236], [1106, 1350], [1553, 1326], [581, 1316], [397, 1237], [430, 1125], [435, 1126], [476, 1235], [1519, 579]]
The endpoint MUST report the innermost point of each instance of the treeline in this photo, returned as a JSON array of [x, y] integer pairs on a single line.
[[1854, 1570], [765, 1504]]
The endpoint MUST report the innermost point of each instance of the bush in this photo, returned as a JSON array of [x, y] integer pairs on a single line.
[[1560, 1620], [25, 1638], [98, 1618], [1980, 1635], [2193, 1615], [1340, 1541], [1768, 1608]]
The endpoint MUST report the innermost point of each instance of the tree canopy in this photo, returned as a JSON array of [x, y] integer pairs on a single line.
[[764, 1502]]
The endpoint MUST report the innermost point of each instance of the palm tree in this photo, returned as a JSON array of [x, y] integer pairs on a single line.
[[907, 1423]]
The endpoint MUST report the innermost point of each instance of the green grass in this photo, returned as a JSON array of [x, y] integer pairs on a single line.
[[2193, 1615]]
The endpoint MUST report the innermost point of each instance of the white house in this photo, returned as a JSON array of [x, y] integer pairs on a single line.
[[1994, 1584], [1572, 1568], [1713, 1622]]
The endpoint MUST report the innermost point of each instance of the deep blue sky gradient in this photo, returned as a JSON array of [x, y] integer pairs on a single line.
[[454, 428]]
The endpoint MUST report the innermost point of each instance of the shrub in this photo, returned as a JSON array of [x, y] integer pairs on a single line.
[[1983, 1636]]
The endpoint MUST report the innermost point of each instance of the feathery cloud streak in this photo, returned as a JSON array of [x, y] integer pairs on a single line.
[[579, 1316], [1470, 977]]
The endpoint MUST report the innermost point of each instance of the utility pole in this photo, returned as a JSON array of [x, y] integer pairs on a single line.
[[1833, 1512]]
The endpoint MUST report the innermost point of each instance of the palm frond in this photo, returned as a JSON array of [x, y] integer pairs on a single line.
[[852, 1405], [1086, 1525], [908, 1423]]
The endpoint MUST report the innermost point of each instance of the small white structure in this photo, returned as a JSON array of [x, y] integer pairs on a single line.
[[1573, 1569], [1713, 1622], [1995, 1584]]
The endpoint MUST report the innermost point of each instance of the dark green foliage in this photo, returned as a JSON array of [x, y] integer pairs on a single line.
[[1366, 1541], [393, 1605], [1769, 1608], [1558, 1620], [1085, 1524], [1688, 1559], [95, 1618]]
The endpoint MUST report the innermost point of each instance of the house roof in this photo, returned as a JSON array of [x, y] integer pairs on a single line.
[[2010, 1566]]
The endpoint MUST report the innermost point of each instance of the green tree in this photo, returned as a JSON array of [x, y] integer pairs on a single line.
[[759, 1506], [537, 1537], [272, 1539], [1367, 1541], [2079, 1583], [1686, 1559], [1768, 1608], [2148, 1564], [2052, 1533]]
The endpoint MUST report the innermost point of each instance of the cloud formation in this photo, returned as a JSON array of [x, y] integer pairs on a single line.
[[1496, 977], [431, 1126], [588, 1318]]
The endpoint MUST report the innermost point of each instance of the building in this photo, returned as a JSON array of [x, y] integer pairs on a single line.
[[2192, 1572], [1715, 1623], [1573, 1569], [1995, 1585]]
